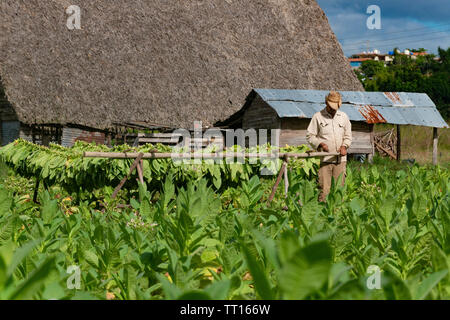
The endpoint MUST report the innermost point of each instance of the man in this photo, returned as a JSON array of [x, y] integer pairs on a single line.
[[330, 130]]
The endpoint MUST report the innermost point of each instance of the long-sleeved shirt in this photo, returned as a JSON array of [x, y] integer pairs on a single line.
[[333, 131]]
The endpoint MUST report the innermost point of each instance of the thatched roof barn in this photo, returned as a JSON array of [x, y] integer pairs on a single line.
[[161, 62]]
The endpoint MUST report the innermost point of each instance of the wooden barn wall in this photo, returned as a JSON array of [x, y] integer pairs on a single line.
[[260, 116], [71, 135], [293, 132]]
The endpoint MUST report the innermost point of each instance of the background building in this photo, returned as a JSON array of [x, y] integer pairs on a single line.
[[157, 64]]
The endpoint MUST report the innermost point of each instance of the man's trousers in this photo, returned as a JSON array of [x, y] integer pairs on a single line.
[[328, 171]]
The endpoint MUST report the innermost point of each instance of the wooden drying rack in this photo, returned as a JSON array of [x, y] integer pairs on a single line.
[[138, 162]]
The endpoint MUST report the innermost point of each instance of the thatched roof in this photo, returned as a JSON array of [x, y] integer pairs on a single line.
[[166, 62]]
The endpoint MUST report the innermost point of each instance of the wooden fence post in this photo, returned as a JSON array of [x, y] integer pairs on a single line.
[[140, 170], [372, 142], [399, 143], [280, 175], [136, 163], [286, 179], [435, 146]]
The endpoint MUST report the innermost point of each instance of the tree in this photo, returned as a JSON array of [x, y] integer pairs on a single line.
[[424, 74], [418, 50], [370, 68]]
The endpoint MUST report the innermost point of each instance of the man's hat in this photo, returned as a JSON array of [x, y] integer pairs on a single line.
[[334, 100]]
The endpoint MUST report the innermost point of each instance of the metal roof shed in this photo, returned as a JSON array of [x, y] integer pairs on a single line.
[[290, 111]]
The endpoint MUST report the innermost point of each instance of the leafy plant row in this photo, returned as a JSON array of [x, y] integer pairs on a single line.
[[68, 168], [194, 243]]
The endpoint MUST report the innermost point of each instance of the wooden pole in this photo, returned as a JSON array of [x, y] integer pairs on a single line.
[[140, 170], [157, 155], [399, 144], [280, 175], [435, 146], [388, 152], [135, 164], [286, 180], [372, 142]]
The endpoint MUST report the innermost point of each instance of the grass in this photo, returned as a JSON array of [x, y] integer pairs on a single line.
[[417, 143]]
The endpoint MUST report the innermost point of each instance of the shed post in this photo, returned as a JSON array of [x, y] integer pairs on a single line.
[[435, 146], [399, 143], [372, 144], [286, 179]]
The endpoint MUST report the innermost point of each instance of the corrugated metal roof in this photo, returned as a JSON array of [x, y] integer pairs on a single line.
[[394, 107]]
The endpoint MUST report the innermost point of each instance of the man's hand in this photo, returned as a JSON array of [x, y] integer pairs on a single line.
[[324, 147], [343, 151]]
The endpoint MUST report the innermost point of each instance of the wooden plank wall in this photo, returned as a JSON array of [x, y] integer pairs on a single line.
[[293, 132], [71, 135], [362, 138], [260, 116]]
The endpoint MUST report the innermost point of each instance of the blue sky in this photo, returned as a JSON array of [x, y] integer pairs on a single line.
[[404, 24]]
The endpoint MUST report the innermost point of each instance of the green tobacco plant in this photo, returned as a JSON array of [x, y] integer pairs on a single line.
[[182, 236]]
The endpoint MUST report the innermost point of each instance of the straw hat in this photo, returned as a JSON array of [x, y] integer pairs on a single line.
[[334, 100]]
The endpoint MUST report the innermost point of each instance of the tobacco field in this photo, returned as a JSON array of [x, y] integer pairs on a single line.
[[206, 231]]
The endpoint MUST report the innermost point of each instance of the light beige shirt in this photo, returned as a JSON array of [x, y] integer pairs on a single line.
[[334, 132]]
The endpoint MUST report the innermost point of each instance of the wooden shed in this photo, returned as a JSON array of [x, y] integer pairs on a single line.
[[291, 112]]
